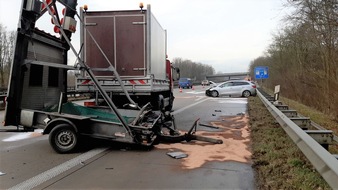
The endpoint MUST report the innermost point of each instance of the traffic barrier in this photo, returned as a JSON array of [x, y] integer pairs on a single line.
[[324, 162]]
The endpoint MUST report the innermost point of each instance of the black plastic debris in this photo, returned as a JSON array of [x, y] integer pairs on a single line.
[[242, 113], [177, 155]]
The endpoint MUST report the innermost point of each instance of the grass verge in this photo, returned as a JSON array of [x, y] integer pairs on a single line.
[[277, 161]]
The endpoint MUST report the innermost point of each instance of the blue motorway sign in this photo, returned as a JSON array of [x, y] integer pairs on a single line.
[[261, 72]]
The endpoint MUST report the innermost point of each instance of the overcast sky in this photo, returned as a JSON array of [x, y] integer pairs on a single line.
[[226, 34]]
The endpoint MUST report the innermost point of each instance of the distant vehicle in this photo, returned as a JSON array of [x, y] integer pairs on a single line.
[[205, 83], [185, 83], [233, 88], [212, 83]]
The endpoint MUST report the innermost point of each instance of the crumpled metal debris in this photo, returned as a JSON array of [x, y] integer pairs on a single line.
[[177, 155]]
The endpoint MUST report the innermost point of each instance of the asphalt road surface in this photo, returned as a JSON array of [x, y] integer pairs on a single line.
[[28, 162]]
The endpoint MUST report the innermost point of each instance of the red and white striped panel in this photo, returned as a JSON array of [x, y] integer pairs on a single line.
[[87, 81], [137, 82]]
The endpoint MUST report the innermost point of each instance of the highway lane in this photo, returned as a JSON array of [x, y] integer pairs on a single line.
[[119, 166]]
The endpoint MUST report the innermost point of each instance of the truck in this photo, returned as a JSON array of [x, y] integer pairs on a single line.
[[133, 42], [37, 90]]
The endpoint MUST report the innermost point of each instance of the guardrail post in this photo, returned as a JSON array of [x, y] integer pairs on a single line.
[[323, 137]]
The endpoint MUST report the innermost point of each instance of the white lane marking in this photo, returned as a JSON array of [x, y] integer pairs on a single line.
[[195, 92], [200, 98], [49, 174], [231, 100], [186, 107]]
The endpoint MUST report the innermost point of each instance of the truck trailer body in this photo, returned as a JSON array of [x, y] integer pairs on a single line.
[[134, 43]]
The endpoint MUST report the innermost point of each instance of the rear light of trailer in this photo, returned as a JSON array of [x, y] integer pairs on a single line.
[[88, 104]]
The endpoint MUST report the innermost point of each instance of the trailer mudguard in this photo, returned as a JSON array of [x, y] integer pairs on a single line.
[[58, 121]]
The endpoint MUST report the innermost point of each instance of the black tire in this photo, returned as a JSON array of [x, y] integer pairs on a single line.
[[160, 102], [246, 93], [214, 93], [171, 102], [63, 138]]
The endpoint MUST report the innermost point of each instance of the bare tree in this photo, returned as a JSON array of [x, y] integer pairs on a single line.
[[6, 54], [303, 56], [193, 70], [320, 19]]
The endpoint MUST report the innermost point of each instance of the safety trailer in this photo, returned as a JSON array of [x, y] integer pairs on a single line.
[[37, 92]]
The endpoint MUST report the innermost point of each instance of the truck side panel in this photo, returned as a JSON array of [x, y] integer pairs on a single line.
[[157, 49]]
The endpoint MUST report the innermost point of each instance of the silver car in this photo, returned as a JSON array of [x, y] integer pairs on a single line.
[[233, 88]]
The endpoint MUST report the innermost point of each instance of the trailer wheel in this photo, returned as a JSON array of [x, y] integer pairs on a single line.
[[63, 138]]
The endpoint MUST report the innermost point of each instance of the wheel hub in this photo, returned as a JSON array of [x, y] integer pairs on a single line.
[[65, 138]]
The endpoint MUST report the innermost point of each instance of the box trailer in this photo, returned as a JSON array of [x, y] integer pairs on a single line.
[[133, 42]]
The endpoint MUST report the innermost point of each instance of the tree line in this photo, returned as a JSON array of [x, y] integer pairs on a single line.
[[195, 71], [6, 54], [303, 57]]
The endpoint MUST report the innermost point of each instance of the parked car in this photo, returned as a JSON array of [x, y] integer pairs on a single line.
[[233, 88], [185, 83], [205, 83]]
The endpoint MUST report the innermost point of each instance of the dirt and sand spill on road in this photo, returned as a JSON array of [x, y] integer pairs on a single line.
[[236, 143]]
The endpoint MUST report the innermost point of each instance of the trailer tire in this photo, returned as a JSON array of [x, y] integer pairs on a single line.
[[63, 138]]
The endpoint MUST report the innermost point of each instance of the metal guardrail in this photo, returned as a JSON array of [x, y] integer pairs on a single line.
[[324, 162]]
